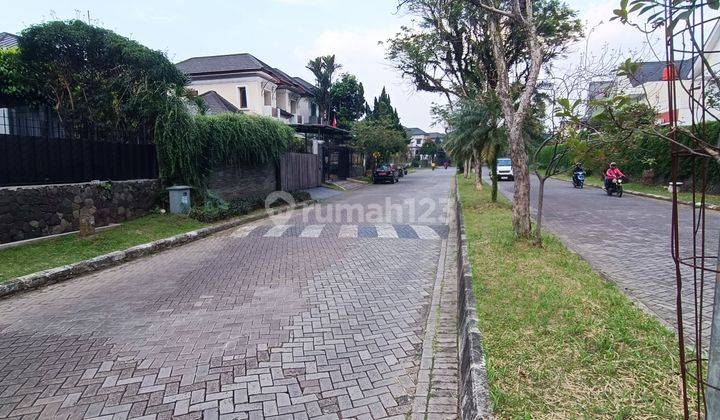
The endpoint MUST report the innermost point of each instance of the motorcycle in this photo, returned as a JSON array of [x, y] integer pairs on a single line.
[[578, 179], [615, 187]]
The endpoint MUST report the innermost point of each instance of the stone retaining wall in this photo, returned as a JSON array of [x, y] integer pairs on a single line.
[[474, 394], [40, 210]]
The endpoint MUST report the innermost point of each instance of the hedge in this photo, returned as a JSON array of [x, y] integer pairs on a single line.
[[648, 152], [189, 147]]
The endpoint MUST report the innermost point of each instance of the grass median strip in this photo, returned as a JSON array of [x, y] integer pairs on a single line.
[[30, 258], [560, 341], [648, 189]]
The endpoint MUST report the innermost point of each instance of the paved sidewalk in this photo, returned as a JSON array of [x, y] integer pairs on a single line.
[[287, 321], [436, 395]]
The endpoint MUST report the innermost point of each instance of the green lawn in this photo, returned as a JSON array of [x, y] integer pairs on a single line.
[[561, 342], [649, 189], [26, 259]]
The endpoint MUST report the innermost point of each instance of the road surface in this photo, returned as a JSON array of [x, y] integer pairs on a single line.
[[319, 315]]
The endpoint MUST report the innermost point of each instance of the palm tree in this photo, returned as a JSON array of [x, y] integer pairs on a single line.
[[475, 135], [323, 68]]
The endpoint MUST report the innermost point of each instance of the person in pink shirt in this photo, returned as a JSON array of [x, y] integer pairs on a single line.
[[612, 173]]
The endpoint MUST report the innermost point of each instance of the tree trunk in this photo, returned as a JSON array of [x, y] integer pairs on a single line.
[[467, 169], [521, 197], [538, 228], [478, 170], [496, 151]]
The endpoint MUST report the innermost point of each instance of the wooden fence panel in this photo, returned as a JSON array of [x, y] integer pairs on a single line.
[[26, 160], [299, 171]]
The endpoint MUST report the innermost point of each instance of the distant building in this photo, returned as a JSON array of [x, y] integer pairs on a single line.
[[8, 40]]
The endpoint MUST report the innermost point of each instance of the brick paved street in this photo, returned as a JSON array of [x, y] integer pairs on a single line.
[[319, 315], [628, 239]]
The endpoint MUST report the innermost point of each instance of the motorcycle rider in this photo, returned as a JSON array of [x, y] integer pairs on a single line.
[[611, 174], [578, 168]]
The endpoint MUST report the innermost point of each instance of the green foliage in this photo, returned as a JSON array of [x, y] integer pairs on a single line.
[[189, 147], [380, 137], [347, 97], [383, 111], [17, 86], [641, 151], [429, 148], [99, 82], [449, 50], [214, 208]]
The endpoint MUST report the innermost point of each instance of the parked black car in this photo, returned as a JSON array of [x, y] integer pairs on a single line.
[[385, 173]]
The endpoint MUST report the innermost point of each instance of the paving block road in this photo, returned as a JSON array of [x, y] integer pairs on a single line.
[[319, 314], [628, 240]]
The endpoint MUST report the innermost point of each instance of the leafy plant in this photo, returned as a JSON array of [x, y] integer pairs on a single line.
[[101, 84], [189, 147]]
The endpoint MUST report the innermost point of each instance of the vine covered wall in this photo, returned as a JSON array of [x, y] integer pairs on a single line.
[[191, 147]]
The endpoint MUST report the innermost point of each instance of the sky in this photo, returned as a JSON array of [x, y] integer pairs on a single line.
[[288, 33]]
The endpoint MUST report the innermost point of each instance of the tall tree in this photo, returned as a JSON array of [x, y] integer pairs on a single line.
[[384, 111], [323, 68], [462, 47], [100, 83], [347, 98]]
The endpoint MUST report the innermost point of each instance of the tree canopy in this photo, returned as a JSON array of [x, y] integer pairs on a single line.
[[384, 113], [323, 68], [347, 97], [101, 84], [379, 137]]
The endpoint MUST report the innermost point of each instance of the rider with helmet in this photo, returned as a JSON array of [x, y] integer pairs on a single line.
[[611, 174]]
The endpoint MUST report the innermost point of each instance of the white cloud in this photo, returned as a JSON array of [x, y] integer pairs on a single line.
[[359, 52]]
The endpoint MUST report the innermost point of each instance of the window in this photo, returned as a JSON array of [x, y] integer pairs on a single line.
[[293, 107], [242, 93], [313, 110], [267, 97]]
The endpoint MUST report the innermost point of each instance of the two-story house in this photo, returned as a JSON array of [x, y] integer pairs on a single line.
[[252, 86], [417, 138]]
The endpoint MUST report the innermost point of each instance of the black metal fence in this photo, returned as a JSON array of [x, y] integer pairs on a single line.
[[27, 160]]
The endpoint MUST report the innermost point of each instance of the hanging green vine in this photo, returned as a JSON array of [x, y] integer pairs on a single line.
[[189, 147]]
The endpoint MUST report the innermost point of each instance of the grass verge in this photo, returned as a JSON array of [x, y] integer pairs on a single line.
[[560, 341], [30, 258], [648, 189]]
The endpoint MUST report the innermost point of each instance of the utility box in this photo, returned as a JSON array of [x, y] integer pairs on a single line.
[[180, 199]]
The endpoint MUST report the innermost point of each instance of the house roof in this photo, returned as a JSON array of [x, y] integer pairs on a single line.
[[307, 86], [221, 64], [217, 104], [242, 63], [414, 131], [652, 71], [8, 40]]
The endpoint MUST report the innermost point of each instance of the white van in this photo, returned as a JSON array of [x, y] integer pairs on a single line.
[[504, 169]]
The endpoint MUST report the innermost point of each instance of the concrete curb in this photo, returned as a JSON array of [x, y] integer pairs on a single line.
[[474, 397], [654, 196], [101, 262]]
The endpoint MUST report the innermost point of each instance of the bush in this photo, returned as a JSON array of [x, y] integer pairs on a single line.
[[214, 208], [647, 152]]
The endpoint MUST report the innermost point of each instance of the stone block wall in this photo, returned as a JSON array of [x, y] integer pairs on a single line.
[[238, 181], [33, 211]]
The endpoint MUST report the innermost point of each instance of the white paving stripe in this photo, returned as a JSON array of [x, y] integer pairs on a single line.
[[276, 231], [244, 231], [348, 231], [425, 232], [312, 231], [386, 231]]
